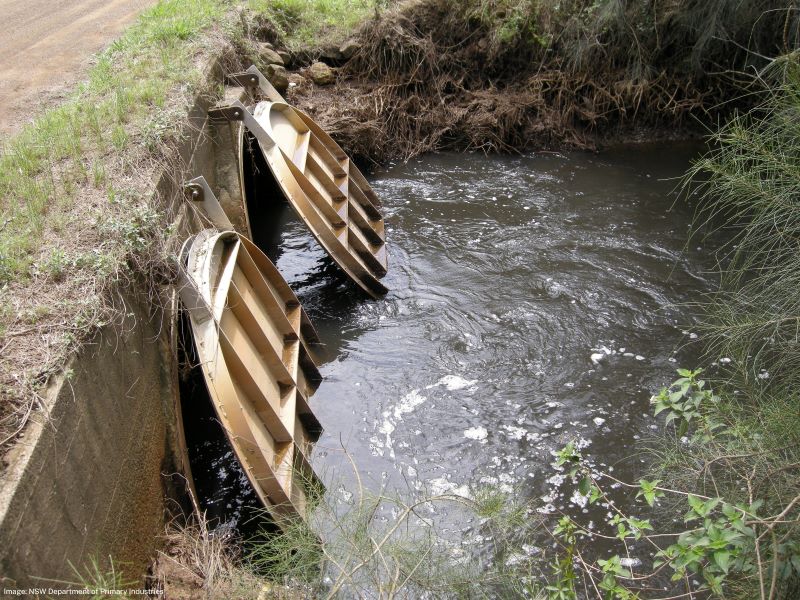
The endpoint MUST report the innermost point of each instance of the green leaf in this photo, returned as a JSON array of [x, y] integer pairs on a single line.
[[753, 509], [722, 559], [795, 560], [709, 506], [585, 485]]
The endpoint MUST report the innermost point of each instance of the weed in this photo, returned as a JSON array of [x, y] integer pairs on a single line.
[[729, 546], [53, 170], [56, 264], [98, 579]]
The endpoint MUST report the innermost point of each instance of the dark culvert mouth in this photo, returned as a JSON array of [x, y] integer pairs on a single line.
[[264, 203]]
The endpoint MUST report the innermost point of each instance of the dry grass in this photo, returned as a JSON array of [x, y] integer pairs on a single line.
[[198, 562], [511, 75]]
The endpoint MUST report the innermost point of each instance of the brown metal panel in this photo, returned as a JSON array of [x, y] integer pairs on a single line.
[[326, 190], [251, 336]]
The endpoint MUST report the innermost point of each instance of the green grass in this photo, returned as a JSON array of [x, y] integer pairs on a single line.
[[387, 546], [749, 186], [316, 23], [42, 168], [77, 217]]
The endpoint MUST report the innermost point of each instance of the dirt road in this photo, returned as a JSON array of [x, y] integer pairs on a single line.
[[45, 47]]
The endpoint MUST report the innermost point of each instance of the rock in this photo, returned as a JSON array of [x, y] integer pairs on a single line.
[[268, 56], [331, 55], [295, 79], [278, 77], [285, 56], [321, 74], [349, 48]]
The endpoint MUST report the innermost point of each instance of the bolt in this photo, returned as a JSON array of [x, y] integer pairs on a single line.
[[253, 79], [195, 193], [236, 113]]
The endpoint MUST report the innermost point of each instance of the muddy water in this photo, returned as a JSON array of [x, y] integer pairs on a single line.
[[533, 302]]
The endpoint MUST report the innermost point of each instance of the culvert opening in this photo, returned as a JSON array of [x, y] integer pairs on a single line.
[[264, 203], [224, 494]]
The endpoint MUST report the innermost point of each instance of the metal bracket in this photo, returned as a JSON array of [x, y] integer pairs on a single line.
[[253, 79], [236, 111], [199, 192]]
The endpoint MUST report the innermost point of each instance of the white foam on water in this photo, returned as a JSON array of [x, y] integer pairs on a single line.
[[630, 562], [477, 433], [454, 383], [344, 495], [441, 485], [391, 418], [515, 433], [507, 478], [530, 550], [547, 509], [515, 558], [408, 403], [579, 499]]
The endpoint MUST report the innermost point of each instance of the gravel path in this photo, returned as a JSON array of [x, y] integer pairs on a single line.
[[45, 48]]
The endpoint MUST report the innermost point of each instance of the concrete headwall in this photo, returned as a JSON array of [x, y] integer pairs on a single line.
[[88, 479], [88, 475]]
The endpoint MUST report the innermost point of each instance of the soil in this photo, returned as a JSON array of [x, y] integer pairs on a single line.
[[46, 48]]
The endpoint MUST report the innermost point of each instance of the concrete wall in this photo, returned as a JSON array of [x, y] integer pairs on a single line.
[[89, 478]]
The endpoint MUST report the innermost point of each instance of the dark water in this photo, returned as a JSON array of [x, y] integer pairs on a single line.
[[224, 493], [532, 302]]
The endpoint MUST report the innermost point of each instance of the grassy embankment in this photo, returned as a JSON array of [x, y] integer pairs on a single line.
[[750, 186], [313, 24], [76, 222], [511, 75]]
